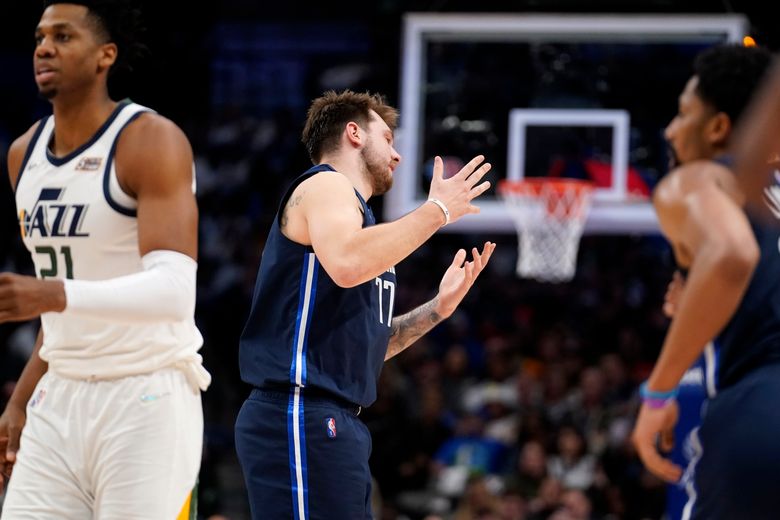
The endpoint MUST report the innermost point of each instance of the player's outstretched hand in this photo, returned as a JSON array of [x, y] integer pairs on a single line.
[[460, 276], [457, 192], [653, 430], [11, 424], [25, 297]]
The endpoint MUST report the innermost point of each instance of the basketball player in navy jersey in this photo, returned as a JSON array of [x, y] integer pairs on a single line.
[[108, 405], [323, 319], [731, 296]]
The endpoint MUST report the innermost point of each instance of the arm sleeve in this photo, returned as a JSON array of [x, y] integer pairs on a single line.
[[163, 292]]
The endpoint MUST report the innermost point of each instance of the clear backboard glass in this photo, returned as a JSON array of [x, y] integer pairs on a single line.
[[582, 96]]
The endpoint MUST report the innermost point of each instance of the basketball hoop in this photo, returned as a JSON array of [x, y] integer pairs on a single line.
[[549, 215]]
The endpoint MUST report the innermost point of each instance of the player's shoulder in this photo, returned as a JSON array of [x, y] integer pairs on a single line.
[[17, 151], [151, 139], [691, 178], [152, 149], [21, 142], [327, 181], [152, 129]]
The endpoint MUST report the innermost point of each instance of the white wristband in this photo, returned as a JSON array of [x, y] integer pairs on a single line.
[[443, 208]]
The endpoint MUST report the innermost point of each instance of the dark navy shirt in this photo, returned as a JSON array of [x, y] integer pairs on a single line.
[[696, 386], [304, 330], [752, 336]]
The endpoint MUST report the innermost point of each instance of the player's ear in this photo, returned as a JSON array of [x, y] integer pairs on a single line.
[[719, 128], [107, 56], [354, 133]]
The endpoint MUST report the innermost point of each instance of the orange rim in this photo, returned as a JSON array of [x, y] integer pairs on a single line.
[[533, 186]]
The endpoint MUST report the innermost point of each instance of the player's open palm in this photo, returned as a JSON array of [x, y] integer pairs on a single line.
[[457, 192], [11, 424], [460, 276]]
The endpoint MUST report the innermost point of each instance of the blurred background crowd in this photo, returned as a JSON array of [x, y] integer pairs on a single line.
[[520, 406]]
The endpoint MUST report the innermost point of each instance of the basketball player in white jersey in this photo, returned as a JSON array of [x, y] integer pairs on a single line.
[[109, 404]]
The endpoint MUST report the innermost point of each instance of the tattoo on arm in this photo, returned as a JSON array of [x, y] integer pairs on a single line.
[[294, 201], [406, 329]]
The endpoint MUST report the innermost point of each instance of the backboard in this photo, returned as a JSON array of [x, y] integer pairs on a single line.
[[584, 96]]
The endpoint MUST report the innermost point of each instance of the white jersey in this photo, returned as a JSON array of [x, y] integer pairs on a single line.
[[77, 223]]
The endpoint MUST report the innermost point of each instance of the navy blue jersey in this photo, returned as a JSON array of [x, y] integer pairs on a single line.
[[304, 330], [752, 336], [695, 387]]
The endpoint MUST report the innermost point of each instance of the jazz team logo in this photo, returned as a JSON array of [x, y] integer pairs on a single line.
[[330, 424], [49, 217]]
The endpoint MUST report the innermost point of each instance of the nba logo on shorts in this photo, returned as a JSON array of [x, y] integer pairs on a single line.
[[330, 423], [38, 398]]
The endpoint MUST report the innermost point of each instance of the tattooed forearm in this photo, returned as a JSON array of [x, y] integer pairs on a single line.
[[408, 328], [294, 201]]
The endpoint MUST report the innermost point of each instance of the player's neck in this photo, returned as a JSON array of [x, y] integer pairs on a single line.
[[351, 166], [77, 118]]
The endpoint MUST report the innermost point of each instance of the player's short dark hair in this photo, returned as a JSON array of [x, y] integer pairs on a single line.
[[729, 75], [116, 21], [329, 113]]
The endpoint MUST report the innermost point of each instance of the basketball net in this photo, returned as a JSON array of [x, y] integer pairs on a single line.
[[549, 215]]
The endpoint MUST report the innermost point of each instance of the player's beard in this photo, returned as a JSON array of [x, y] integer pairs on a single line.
[[48, 93], [377, 171]]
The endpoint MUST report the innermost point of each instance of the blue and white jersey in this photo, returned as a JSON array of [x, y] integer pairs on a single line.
[[304, 331]]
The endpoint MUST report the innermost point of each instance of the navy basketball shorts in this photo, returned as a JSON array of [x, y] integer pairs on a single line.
[[739, 470], [303, 458]]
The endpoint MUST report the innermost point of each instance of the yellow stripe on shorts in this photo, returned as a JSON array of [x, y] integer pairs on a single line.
[[190, 509]]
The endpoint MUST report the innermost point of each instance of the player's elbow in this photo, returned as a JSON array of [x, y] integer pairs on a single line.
[[738, 262], [345, 276], [181, 308], [175, 277], [344, 273]]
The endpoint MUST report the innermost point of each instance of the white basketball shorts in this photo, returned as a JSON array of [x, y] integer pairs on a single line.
[[126, 449]]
